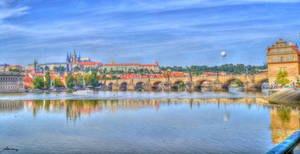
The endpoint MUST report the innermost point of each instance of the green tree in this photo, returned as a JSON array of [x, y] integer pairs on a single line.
[[87, 79], [79, 80], [282, 78], [57, 82], [94, 79], [70, 80], [76, 68], [38, 82], [14, 70], [181, 85], [48, 80]]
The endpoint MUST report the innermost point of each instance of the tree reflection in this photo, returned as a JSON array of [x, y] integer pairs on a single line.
[[75, 109], [284, 122], [284, 114]]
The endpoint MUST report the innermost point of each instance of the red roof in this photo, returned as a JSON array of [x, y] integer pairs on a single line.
[[53, 73], [28, 79], [149, 65], [298, 52], [14, 66], [37, 74], [88, 63], [131, 64], [128, 64], [263, 73], [209, 73]]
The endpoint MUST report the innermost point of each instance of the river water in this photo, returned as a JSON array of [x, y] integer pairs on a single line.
[[127, 122]]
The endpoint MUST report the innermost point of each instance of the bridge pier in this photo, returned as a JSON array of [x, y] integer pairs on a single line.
[[217, 86], [130, 87], [115, 86], [250, 86], [190, 86]]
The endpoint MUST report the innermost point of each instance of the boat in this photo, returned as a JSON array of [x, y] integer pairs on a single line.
[[83, 92]]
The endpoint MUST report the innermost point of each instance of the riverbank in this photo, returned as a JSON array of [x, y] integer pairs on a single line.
[[285, 96]]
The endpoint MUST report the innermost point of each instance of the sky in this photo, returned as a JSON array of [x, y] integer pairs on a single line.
[[172, 32]]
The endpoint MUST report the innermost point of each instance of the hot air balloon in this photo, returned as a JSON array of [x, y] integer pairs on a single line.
[[223, 53]]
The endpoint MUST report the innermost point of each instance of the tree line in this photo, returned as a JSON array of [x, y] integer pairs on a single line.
[[228, 68], [71, 81]]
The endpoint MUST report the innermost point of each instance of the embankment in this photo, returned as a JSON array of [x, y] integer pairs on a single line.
[[285, 96]]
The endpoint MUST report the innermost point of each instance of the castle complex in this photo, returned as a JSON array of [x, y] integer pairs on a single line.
[[74, 62], [283, 56]]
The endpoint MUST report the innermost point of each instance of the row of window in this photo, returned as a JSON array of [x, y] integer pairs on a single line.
[[10, 87], [281, 51], [9, 78], [288, 58], [13, 82]]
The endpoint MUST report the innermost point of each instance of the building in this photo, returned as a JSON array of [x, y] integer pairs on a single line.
[[3, 67], [283, 56], [73, 59], [11, 82], [130, 67], [14, 67]]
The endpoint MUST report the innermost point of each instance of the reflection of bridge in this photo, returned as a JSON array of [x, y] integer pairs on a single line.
[[189, 83]]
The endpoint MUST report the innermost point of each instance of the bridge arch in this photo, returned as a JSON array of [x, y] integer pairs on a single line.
[[140, 86], [109, 86], [258, 84], [123, 86], [227, 83], [178, 85], [199, 84], [156, 86]]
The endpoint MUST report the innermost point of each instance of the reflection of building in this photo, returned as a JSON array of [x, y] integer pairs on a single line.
[[283, 56], [11, 82], [11, 106], [284, 122]]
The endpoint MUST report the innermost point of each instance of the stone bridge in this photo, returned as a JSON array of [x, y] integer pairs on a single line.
[[188, 83]]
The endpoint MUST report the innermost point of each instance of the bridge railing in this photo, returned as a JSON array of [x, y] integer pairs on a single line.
[[288, 145]]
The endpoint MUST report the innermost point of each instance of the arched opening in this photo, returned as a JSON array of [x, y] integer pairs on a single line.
[[233, 85], [203, 85], [157, 86], [262, 84], [140, 86], [123, 86], [110, 86], [178, 85]]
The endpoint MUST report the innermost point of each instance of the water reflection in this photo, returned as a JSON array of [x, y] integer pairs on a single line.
[[284, 122], [74, 109], [212, 120]]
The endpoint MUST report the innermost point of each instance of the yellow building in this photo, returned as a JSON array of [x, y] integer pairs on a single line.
[[283, 56]]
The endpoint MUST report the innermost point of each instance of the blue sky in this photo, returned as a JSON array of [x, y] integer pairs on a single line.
[[173, 32]]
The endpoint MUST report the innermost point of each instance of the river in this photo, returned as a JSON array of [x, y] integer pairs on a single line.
[[132, 122]]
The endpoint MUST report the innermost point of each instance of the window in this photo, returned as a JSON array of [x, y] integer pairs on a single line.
[[275, 59]]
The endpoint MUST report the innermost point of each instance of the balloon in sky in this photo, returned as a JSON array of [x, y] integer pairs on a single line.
[[223, 54]]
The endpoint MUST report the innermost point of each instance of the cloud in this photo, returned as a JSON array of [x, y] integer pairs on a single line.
[[141, 29]]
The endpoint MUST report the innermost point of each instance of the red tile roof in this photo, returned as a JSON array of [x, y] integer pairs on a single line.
[[149, 65], [89, 63], [37, 74], [14, 66], [131, 64], [209, 73], [128, 64]]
